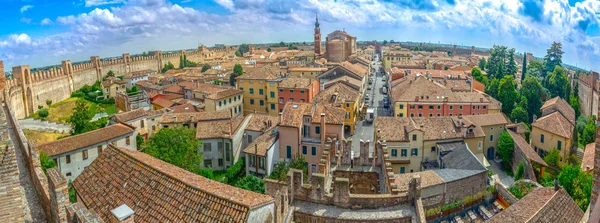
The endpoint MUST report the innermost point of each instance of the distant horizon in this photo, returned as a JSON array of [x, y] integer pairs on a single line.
[[42, 33]]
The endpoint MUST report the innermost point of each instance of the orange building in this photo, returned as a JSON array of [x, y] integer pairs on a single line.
[[297, 89]]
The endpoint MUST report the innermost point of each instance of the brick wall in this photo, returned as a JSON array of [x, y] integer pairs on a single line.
[[59, 195], [360, 182], [505, 194], [459, 189]]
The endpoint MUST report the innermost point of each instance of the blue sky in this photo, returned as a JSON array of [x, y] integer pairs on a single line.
[[43, 32]]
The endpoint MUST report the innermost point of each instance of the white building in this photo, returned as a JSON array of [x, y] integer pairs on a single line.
[[73, 154], [133, 77]]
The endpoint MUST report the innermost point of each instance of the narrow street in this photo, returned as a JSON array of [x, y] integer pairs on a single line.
[[364, 130]]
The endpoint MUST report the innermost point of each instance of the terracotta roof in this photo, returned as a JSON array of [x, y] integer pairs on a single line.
[[139, 73], [112, 80], [423, 90], [160, 192], [345, 79], [258, 122], [163, 102], [526, 148], [487, 119], [541, 205], [130, 115], [435, 128], [519, 128], [555, 123], [354, 68], [216, 92], [561, 106], [218, 128], [307, 69], [428, 178], [392, 128], [294, 112], [296, 82], [337, 95], [195, 117], [261, 144], [82, 140], [174, 89], [267, 72], [587, 163], [184, 108]]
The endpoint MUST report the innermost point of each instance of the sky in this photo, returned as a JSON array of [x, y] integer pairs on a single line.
[[45, 32]]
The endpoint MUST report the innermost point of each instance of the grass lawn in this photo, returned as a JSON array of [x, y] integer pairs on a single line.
[[41, 137], [62, 110]]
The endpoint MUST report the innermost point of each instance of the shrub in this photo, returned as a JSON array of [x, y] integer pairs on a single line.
[[233, 173], [40, 106], [48, 102], [43, 113], [208, 173], [520, 171], [77, 94], [46, 162]]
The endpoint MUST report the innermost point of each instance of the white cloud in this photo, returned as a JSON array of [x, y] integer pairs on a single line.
[[26, 20], [25, 8], [228, 4], [46, 21], [92, 3]]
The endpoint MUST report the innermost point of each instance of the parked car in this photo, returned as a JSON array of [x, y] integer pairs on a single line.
[[384, 90], [370, 115], [369, 87]]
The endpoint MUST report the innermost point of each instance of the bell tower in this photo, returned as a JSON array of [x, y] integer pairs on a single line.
[[317, 36]]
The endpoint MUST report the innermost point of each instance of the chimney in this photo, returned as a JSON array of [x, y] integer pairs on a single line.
[[556, 186], [323, 115], [123, 214]]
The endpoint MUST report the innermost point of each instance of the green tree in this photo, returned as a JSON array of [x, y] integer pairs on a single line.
[[269, 49], [507, 93], [280, 170], [505, 147], [574, 102], [497, 62], [519, 114], [205, 67], [139, 141], [536, 69], [482, 63], [243, 48], [476, 73], [48, 102], [520, 171], [532, 89], [184, 60], [177, 146], [589, 132], [43, 113], [251, 183], [385, 42], [492, 88], [558, 83], [553, 157], [80, 117], [511, 68], [110, 73], [72, 194], [46, 162], [181, 62], [553, 57], [577, 183], [524, 67], [238, 70], [168, 66]]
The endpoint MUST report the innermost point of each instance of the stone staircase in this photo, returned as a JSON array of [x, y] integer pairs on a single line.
[[44, 126]]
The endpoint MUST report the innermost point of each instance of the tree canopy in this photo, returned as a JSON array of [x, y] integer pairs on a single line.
[[559, 83], [505, 147], [507, 93], [553, 57], [577, 183], [243, 48], [531, 88], [476, 73], [482, 63], [178, 146], [80, 117]]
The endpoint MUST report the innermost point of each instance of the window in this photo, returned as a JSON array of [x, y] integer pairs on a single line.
[[317, 129], [142, 123], [402, 169], [479, 145], [252, 160], [313, 150], [220, 162], [280, 89], [484, 107], [401, 115], [262, 103], [68, 159], [439, 115], [451, 107], [251, 90], [414, 137], [68, 174], [229, 100], [414, 152], [347, 115], [84, 154], [313, 168], [304, 150], [291, 90], [302, 100], [55, 161], [227, 152], [542, 138], [289, 152], [420, 106], [433, 149], [431, 107], [412, 107], [412, 115], [251, 101], [450, 114], [261, 162], [208, 146], [272, 106], [347, 105], [473, 106], [559, 146], [491, 138], [280, 100], [261, 91], [460, 107], [403, 153], [439, 107], [420, 115], [99, 150], [128, 140], [394, 153], [272, 94], [208, 163], [430, 115], [291, 99]]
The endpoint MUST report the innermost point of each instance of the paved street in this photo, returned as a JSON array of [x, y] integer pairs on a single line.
[[364, 130]]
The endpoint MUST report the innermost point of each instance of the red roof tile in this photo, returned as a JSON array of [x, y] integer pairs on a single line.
[[85, 139]]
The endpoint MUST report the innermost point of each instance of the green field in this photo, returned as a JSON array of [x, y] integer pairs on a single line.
[[61, 111]]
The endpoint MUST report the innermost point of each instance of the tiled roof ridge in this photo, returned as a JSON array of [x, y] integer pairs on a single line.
[[547, 117], [88, 133], [135, 159], [542, 207]]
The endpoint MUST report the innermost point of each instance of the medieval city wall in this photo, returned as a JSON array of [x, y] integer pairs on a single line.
[[588, 94], [29, 89]]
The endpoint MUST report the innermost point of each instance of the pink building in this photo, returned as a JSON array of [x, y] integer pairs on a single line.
[[297, 89], [303, 129]]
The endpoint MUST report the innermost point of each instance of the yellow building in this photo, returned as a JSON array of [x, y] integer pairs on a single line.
[[555, 129], [217, 98], [273, 95], [308, 72], [111, 86], [257, 88], [395, 55], [343, 96]]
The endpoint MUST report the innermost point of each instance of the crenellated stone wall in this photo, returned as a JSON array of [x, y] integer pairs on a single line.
[[27, 90]]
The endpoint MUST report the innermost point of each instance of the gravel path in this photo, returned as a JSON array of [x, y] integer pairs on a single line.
[[33, 208]]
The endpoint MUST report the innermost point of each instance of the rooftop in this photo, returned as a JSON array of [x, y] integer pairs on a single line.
[[83, 140], [487, 119], [260, 122], [587, 163], [216, 129], [560, 105], [294, 112], [555, 123], [526, 148], [267, 72], [337, 94], [261, 144], [296, 83], [195, 116], [421, 89], [160, 192]]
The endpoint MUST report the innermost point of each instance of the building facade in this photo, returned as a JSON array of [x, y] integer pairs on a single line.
[[297, 90], [339, 46], [255, 84]]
